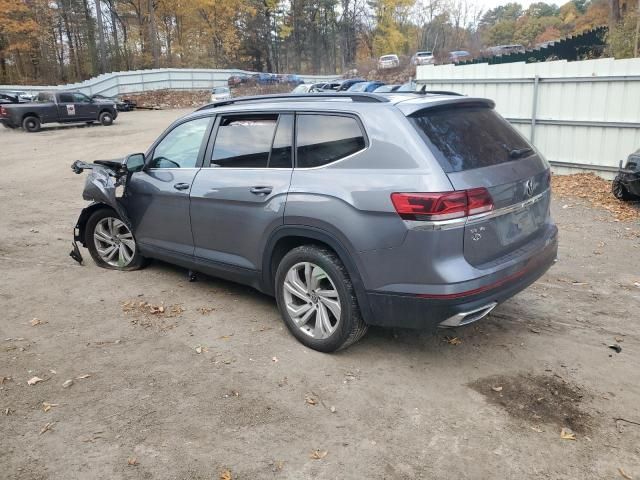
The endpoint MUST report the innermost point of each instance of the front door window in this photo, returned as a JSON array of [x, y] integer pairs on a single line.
[[181, 146]]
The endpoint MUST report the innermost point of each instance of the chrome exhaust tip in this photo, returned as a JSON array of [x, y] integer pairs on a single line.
[[465, 318]]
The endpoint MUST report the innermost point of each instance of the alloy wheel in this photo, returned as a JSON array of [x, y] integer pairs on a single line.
[[114, 242], [312, 300]]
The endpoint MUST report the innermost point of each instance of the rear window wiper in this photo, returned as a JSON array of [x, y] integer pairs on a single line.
[[520, 152]]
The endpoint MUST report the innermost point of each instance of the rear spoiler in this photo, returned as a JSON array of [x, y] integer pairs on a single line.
[[413, 105]]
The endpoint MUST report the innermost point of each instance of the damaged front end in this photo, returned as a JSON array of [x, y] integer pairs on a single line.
[[101, 189]]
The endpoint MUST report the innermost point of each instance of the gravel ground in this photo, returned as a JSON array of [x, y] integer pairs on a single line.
[[213, 386]]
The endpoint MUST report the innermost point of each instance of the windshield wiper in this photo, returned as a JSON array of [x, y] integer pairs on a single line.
[[520, 152]]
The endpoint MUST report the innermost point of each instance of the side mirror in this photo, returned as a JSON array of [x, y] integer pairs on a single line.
[[134, 162]]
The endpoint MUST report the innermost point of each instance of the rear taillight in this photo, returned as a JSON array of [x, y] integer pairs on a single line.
[[442, 206], [3, 112]]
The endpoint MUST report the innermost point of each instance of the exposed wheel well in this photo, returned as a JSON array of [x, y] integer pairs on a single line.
[[285, 245], [84, 216], [31, 114]]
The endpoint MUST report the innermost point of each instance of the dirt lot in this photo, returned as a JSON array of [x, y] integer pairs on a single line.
[[486, 401]]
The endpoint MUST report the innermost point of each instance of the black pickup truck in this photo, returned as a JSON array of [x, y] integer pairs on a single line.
[[61, 107]]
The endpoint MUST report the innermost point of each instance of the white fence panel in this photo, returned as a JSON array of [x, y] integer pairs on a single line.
[[155, 79], [580, 115]]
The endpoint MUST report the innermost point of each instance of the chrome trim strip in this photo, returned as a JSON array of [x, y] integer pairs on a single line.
[[472, 220]]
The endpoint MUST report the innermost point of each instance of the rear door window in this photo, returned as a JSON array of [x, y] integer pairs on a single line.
[[465, 138], [323, 139]]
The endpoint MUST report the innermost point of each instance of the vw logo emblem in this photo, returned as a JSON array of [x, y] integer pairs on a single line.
[[529, 187]]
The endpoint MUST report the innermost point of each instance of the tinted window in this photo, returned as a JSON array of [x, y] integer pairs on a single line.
[[323, 139], [81, 98], [180, 147], [66, 98], [244, 141], [470, 137], [281, 151]]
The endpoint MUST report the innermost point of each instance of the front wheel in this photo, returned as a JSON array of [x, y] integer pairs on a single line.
[[317, 300], [110, 242], [619, 190], [106, 119]]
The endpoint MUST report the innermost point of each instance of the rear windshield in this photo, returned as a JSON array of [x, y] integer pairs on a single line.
[[468, 137]]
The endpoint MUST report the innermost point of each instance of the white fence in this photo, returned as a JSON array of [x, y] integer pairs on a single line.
[[157, 79], [581, 115]]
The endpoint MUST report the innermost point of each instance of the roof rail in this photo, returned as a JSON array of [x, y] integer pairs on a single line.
[[355, 97]]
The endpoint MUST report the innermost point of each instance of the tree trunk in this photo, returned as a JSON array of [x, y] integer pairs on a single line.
[[102, 54], [153, 34]]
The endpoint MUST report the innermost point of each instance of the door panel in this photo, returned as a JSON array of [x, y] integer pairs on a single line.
[[228, 220], [159, 211], [157, 199], [240, 198]]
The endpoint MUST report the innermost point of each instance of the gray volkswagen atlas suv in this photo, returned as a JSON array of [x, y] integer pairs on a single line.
[[403, 210]]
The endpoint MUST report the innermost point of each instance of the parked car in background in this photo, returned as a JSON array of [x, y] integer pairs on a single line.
[[292, 79], [407, 87], [388, 61], [264, 78], [8, 98], [346, 84], [386, 88], [123, 104], [423, 58], [22, 95], [220, 93], [235, 80], [365, 86], [61, 107], [626, 185], [304, 88], [327, 87], [459, 56], [505, 49], [306, 211]]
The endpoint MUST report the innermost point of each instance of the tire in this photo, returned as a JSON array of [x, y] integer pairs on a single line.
[[327, 274], [619, 191], [106, 119], [105, 223], [31, 124]]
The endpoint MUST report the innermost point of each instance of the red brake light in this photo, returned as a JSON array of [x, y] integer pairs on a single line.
[[480, 201], [3, 112], [442, 206]]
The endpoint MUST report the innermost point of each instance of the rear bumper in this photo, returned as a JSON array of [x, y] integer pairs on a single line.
[[463, 306], [7, 121]]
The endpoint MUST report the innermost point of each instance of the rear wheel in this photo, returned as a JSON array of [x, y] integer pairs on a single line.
[[619, 190], [31, 124], [110, 242], [317, 300], [106, 118]]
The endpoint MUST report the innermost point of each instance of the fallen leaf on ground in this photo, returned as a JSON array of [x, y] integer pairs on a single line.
[[34, 380], [536, 429], [4, 379], [37, 321], [47, 406], [332, 409], [496, 389], [67, 383], [205, 310], [624, 474], [453, 340], [7, 411], [274, 359], [226, 337], [226, 475], [310, 399], [47, 427], [82, 377], [619, 339], [198, 349], [133, 461], [318, 454], [567, 434]]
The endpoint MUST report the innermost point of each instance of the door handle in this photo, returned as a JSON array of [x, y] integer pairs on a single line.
[[261, 190], [181, 186]]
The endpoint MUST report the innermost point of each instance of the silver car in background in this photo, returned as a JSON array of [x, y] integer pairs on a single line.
[[388, 61], [220, 93], [423, 58]]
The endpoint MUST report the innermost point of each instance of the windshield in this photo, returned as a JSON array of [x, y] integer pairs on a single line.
[[388, 57]]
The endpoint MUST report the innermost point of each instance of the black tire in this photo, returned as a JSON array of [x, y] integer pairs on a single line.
[[106, 118], [351, 327], [137, 260], [619, 191], [31, 124]]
